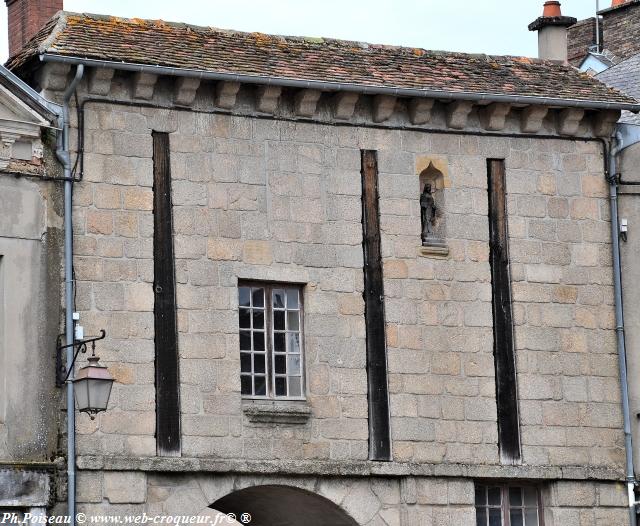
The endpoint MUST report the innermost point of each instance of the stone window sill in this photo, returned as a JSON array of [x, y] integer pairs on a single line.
[[276, 412], [434, 250]]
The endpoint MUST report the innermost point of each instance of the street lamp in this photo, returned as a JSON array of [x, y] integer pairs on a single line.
[[93, 382]]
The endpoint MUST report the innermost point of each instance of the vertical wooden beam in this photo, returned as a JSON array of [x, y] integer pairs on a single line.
[[164, 286], [378, 392], [503, 338]]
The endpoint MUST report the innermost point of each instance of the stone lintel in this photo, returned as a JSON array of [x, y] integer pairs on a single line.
[[569, 121], [100, 80], [144, 85], [458, 114], [268, 98], [185, 90], [532, 117], [494, 115], [383, 107], [306, 101], [604, 122], [420, 110], [226, 93], [355, 468], [344, 104]]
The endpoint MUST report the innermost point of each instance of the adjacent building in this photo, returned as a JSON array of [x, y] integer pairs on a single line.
[[359, 284]]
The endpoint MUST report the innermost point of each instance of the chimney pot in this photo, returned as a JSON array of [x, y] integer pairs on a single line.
[[26, 18], [552, 8], [616, 3]]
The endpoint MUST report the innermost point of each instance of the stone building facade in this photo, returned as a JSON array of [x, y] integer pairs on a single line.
[[266, 187]]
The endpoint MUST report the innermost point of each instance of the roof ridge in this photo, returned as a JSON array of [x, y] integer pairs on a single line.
[[60, 25]]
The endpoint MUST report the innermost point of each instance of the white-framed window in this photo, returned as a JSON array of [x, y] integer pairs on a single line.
[[270, 320], [508, 505]]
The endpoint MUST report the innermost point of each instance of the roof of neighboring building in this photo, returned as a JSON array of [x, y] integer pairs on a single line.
[[624, 76], [310, 59], [27, 95]]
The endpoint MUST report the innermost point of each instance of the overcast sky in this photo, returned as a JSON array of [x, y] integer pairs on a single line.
[[474, 26]]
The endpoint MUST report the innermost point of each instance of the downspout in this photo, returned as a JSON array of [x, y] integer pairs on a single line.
[[622, 352], [62, 153]]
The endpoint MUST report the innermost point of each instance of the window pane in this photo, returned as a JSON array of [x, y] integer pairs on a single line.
[[516, 518], [531, 517], [481, 517], [245, 362], [258, 297], [293, 321], [281, 386], [278, 320], [258, 341], [293, 364], [258, 363], [295, 386], [481, 496], [495, 517], [245, 319], [258, 319], [260, 385], [495, 497], [293, 342], [245, 341], [278, 342], [280, 364], [245, 385], [530, 497], [278, 299], [244, 296], [292, 298], [515, 497]]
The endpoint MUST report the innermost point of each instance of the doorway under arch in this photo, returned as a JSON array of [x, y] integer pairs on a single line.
[[273, 505]]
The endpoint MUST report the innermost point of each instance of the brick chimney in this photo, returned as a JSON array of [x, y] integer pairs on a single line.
[[552, 32], [621, 28], [26, 17]]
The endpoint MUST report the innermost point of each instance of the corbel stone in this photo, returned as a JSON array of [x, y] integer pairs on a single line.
[[185, 90], [532, 117], [53, 77], [604, 122], [383, 107], [494, 115], [144, 85], [268, 97], [100, 80], [226, 93], [569, 121], [344, 104], [458, 113], [306, 102], [420, 110]]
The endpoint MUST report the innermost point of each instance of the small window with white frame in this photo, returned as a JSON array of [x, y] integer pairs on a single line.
[[271, 343], [508, 505]]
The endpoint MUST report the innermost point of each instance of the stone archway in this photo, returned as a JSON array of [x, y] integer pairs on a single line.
[[274, 505]]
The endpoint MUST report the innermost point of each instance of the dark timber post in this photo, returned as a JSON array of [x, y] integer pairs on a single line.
[[166, 335], [378, 396], [503, 338]]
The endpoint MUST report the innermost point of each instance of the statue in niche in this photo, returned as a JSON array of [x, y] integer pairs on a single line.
[[428, 211]]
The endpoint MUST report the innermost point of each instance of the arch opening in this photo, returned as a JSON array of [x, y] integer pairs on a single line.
[[273, 505]]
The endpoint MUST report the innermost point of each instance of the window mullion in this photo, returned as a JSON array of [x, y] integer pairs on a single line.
[[268, 336], [506, 516]]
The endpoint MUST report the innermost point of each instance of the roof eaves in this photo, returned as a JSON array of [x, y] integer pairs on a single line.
[[336, 86]]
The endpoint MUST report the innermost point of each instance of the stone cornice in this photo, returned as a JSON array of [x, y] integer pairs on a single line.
[[344, 468]]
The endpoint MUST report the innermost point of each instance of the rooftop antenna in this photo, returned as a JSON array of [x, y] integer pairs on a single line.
[[597, 26]]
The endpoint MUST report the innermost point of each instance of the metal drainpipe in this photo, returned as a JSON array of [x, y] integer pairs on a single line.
[[622, 352], [64, 157]]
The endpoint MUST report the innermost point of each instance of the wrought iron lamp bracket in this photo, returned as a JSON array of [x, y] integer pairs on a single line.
[[80, 346]]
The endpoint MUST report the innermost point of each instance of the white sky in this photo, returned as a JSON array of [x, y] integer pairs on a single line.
[[474, 26]]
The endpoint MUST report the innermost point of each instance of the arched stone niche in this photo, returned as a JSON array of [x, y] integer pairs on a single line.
[[432, 171]]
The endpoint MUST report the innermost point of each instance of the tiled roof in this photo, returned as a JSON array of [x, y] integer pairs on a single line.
[[625, 77], [314, 59]]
